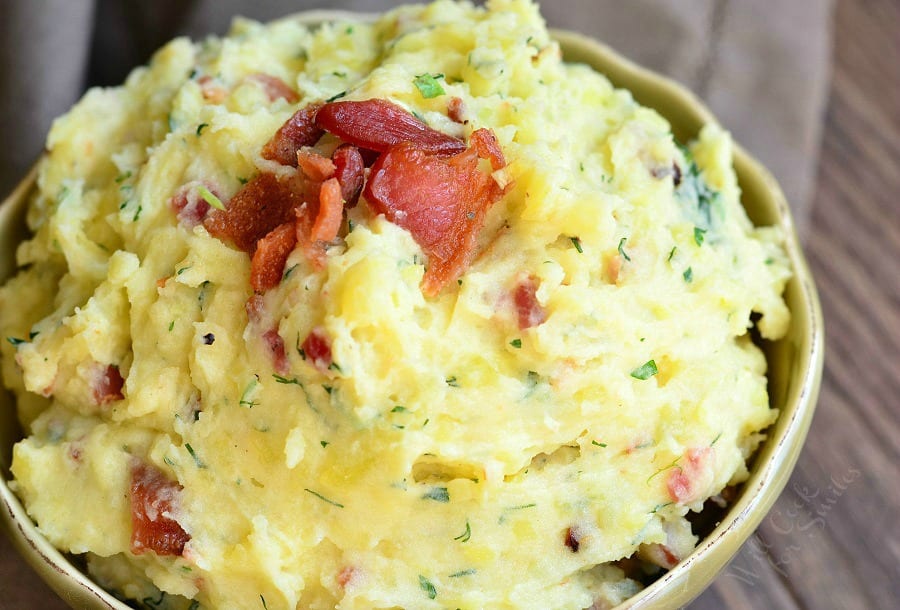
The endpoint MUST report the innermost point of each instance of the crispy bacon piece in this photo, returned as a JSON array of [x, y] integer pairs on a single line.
[[346, 576], [154, 498], [275, 88], [298, 131], [272, 251], [313, 165], [349, 169], [261, 205], [441, 201], [379, 124], [685, 482], [331, 210], [107, 384], [275, 345], [529, 310], [317, 348]]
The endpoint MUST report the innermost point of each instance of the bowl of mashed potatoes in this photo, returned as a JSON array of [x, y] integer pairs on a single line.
[[431, 309]]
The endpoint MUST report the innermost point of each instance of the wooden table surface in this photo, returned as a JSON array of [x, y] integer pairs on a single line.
[[833, 538]]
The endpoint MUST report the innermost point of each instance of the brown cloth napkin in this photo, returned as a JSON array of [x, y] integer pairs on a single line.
[[762, 66]]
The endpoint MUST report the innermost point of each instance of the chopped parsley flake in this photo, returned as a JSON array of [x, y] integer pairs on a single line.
[[464, 537], [336, 97], [246, 400], [288, 273], [438, 494], [323, 498], [323, 443], [622, 250], [516, 343], [15, 342], [426, 586], [577, 243], [688, 275], [123, 177], [452, 381], [210, 198], [645, 371], [598, 444], [671, 253], [399, 409], [263, 600], [171, 325], [428, 85], [468, 572], [201, 127], [699, 235]]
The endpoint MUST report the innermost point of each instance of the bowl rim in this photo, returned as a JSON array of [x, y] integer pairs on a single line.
[[784, 439]]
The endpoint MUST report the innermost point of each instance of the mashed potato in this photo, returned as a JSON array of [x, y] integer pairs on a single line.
[[585, 381]]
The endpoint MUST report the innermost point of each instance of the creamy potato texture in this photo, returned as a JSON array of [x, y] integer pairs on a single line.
[[450, 457]]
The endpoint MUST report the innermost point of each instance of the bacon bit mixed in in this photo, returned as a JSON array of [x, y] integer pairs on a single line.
[[189, 206], [275, 88], [529, 310], [317, 349], [573, 539], [272, 251], [211, 90], [685, 482], [442, 201], [346, 576], [106, 385], [456, 110], [349, 169], [154, 498], [275, 345], [379, 125], [298, 131]]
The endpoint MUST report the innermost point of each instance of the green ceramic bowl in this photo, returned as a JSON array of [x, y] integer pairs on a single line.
[[795, 362]]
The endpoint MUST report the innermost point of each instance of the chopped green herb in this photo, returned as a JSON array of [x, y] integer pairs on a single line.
[[664, 468], [123, 177], [452, 381], [688, 275], [335, 367], [263, 600], [336, 97], [339, 74], [137, 213], [292, 380], [246, 400], [349, 30], [428, 85], [468, 572], [659, 506], [399, 409], [645, 371], [201, 127], [716, 440], [15, 342], [438, 494], [516, 343], [243, 180], [288, 273], [210, 198], [194, 455], [622, 250], [169, 461], [171, 325], [577, 243], [328, 389], [323, 498], [459, 282], [671, 253], [426, 586], [598, 444], [183, 269], [699, 235], [464, 537]]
